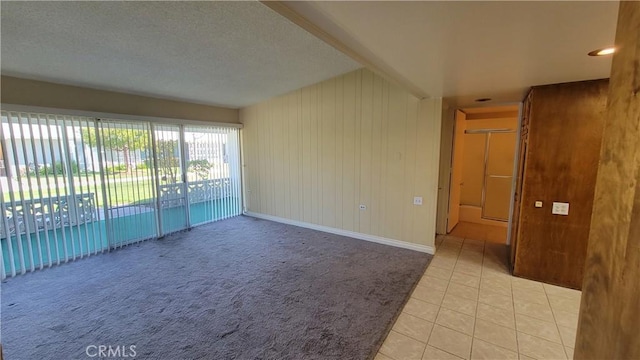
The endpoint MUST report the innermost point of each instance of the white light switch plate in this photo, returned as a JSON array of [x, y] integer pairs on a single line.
[[538, 204], [417, 200], [560, 208]]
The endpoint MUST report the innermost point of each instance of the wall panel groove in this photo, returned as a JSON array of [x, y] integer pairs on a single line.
[[316, 154]]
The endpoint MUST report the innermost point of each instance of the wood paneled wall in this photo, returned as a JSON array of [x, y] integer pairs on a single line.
[[610, 309], [565, 133], [314, 155]]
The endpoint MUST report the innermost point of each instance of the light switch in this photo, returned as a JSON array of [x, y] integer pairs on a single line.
[[560, 208], [538, 204], [417, 200]]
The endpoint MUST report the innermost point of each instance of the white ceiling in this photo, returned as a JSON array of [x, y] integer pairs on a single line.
[[221, 53], [468, 50], [239, 53]]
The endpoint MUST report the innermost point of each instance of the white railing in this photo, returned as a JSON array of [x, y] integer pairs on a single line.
[[47, 214], [172, 195]]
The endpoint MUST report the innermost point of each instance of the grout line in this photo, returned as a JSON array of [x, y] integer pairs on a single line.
[[515, 321], [556, 322], [440, 308], [387, 355], [515, 330], [409, 336], [450, 353], [475, 321]]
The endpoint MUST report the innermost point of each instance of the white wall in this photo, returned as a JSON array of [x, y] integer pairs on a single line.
[[314, 155]]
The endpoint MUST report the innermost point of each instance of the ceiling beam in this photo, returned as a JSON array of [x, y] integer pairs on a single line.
[[281, 8]]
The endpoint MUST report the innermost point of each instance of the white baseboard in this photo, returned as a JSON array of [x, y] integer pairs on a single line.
[[352, 234]]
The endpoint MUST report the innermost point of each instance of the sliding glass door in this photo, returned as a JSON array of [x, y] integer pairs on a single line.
[[75, 186], [213, 173], [130, 204], [50, 191], [170, 177]]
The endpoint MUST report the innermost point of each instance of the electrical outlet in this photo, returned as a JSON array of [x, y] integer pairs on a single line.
[[417, 200], [538, 204], [363, 207], [560, 208]]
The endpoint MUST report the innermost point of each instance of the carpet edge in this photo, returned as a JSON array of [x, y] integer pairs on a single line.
[[352, 234], [378, 345]]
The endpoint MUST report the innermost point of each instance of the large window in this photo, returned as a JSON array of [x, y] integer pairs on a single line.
[[76, 186]]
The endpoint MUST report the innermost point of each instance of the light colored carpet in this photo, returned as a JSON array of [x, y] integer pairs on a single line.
[[241, 288]]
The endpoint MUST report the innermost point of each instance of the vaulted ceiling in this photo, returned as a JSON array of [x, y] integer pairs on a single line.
[[221, 53], [238, 53]]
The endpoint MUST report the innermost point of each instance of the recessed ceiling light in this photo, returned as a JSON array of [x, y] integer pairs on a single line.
[[483, 99], [601, 52]]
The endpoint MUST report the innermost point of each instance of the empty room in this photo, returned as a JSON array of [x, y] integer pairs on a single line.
[[319, 180]]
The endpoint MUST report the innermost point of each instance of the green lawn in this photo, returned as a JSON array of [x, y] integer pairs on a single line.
[[119, 193], [123, 189]]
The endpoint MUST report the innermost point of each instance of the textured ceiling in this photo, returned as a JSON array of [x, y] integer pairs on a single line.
[[221, 53], [467, 50]]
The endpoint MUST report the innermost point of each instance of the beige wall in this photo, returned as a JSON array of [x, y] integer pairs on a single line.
[[314, 155], [44, 94], [444, 176]]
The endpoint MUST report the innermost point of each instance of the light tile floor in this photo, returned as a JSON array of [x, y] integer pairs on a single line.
[[489, 233], [468, 306]]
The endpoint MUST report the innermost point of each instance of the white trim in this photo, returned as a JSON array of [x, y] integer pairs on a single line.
[[115, 116], [352, 234]]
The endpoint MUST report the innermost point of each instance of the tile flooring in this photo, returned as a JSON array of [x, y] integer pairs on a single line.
[[467, 306], [489, 233]]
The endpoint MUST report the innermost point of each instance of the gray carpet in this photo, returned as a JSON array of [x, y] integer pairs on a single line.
[[241, 288]]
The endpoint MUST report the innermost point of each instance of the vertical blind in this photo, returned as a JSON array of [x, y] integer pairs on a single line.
[[76, 186]]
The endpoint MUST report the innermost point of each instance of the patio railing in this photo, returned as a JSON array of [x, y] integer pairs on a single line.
[[172, 195], [47, 214]]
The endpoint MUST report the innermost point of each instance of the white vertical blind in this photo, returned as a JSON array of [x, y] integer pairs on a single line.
[[130, 184], [75, 186], [213, 173], [49, 192], [172, 202]]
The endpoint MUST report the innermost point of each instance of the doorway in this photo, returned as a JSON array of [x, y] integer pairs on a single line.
[[484, 148]]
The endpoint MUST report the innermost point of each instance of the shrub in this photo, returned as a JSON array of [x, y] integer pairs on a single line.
[[200, 167], [56, 169]]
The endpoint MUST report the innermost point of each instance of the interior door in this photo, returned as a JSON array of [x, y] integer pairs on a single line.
[[456, 171]]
